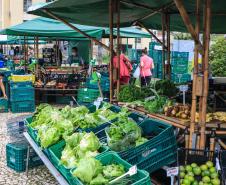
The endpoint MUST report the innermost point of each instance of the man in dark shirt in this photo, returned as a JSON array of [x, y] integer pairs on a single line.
[[75, 59]]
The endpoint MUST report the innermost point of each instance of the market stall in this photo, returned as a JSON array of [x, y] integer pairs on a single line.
[[55, 77], [168, 16]]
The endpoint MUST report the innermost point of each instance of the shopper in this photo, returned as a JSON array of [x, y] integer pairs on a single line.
[[75, 58], [146, 66], [125, 68], [2, 85]]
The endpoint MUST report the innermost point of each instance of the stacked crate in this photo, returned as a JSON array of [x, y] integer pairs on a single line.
[[179, 64], [22, 97], [16, 156]]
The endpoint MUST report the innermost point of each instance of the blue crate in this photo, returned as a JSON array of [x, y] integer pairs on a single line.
[[4, 105], [22, 106], [27, 84], [16, 156], [22, 94]]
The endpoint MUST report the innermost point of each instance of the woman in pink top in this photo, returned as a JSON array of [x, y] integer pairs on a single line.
[[125, 68], [146, 65]]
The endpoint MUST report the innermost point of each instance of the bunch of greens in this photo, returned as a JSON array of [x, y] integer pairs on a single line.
[[155, 105], [93, 172], [130, 93], [124, 134], [166, 88], [79, 146]]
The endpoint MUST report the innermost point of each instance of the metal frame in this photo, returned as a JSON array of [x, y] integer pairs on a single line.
[[45, 160]]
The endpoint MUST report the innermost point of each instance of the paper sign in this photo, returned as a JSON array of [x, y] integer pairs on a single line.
[[172, 171]]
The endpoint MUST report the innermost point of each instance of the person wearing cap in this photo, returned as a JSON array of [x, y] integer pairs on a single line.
[[2, 85], [146, 66]]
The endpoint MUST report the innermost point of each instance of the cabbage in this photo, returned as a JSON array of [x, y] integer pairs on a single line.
[[88, 168], [99, 180], [68, 158], [65, 126], [74, 139], [49, 137], [89, 142], [113, 170]]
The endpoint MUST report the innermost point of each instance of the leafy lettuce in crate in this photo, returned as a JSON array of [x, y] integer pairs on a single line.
[[79, 146], [124, 134], [93, 172]]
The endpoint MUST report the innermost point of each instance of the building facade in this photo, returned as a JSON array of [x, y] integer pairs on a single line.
[[13, 12]]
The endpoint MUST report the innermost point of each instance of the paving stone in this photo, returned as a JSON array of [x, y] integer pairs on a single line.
[[36, 176]]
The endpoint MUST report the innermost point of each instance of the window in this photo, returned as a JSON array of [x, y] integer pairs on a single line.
[[138, 40], [27, 4]]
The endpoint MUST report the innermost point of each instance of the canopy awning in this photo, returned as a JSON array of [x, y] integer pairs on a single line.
[[17, 40], [148, 12], [45, 27]]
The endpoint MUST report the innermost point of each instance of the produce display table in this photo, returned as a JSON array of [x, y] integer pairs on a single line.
[[60, 179], [179, 123], [45, 92]]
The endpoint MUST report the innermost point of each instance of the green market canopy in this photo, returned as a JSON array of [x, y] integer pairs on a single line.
[[148, 12], [17, 40], [45, 27]]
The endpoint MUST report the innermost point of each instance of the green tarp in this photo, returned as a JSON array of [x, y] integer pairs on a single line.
[[95, 12], [44, 27], [17, 40]]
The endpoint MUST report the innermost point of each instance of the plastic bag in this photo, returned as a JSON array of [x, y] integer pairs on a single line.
[[128, 141], [136, 73]]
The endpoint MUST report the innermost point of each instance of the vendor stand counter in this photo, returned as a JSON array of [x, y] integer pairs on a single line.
[[60, 179], [180, 123]]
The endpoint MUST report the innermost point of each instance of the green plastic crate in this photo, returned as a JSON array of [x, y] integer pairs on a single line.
[[177, 54], [32, 132], [4, 105], [22, 106], [63, 100], [141, 178], [164, 158], [55, 152], [16, 156], [179, 69], [22, 94], [179, 61], [88, 95]]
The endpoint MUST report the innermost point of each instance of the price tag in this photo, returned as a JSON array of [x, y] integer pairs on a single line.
[[183, 88], [133, 170], [172, 171]]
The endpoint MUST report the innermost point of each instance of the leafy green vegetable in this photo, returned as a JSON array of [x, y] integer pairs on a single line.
[[113, 170], [141, 141], [48, 136], [99, 180], [79, 146], [69, 158], [88, 169], [166, 88], [156, 105], [130, 93], [122, 134], [89, 142]]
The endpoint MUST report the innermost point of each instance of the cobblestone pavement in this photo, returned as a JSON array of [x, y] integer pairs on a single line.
[[37, 176]]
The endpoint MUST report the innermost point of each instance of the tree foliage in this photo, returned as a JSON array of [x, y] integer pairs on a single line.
[[218, 57]]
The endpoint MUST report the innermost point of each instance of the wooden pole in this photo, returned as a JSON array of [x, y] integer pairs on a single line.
[[188, 23], [195, 74], [75, 28], [152, 34], [111, 48], [163, 41], [118, 47], [168, 68], [206, 72]]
